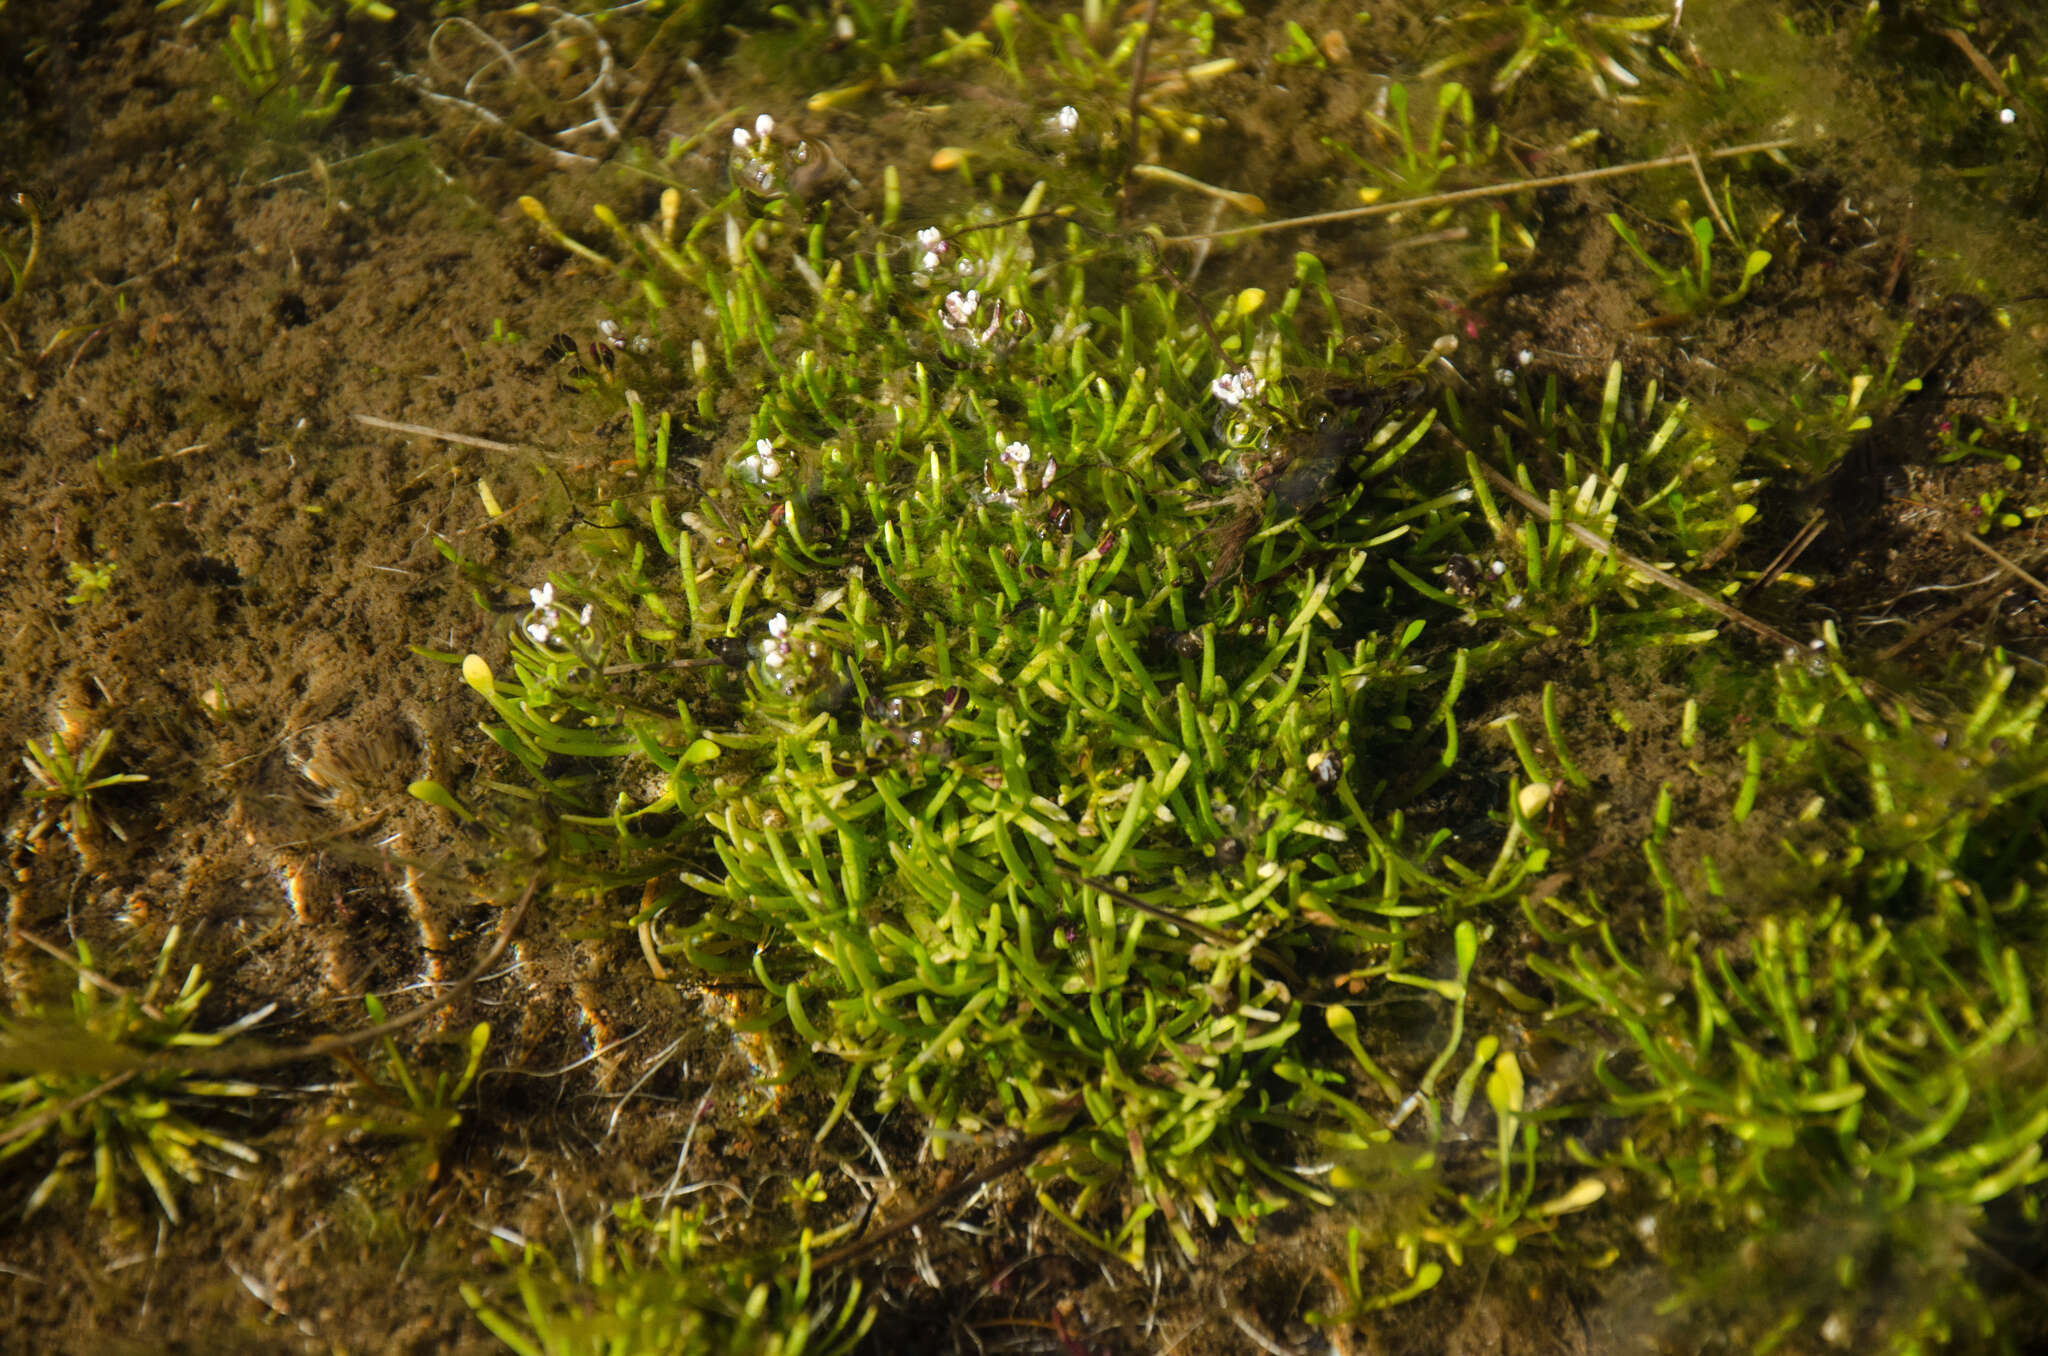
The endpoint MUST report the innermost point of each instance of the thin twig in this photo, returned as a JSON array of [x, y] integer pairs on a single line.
[[89, 975], [1871, 687], [1250, 203], [35, 1124], [1489, 191], [1808, 533], [2002, 558], [1123, 197], [423, 431], [1977, 59], [1635, 562], [239, 1060], [1002, 1167], [1213, 936], [1940, 620], [1699, 172]]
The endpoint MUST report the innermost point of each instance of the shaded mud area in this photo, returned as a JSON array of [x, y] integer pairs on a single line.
[[181, 399]]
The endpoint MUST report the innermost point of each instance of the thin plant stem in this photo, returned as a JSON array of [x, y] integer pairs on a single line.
[[1123, 197], [1488, 191]]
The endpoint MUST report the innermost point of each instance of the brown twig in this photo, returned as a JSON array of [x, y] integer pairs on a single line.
[[243, 1060], [89, 975], [1002, 1167], [1900, 253], [1786, 558], [1635, 562], [1488, 191], [1990, 594], [1144, 52], [1871, 687], [35, 1124], [1213, 936], [1978, 59], [421, 430], [1699, 172], [2002, 558]]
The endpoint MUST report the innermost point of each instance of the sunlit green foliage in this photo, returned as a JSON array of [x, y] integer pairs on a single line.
[[403, 1104], [77, 1104], [67, 781], [660, 1285]]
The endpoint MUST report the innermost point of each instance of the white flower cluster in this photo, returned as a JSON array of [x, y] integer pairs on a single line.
[[758, 165], [547, 616], [1235, 387], [615, 337], [764, 131], [760, 466], [1017, 456], [962, 311], [933, 250], [777, 649]]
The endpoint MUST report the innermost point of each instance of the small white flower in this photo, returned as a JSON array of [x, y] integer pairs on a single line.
[[960, 308], [541, 623], [2007, 117], [740, 140], [1067, 119], [1235, 387], [546, 616], [842, 28], [1017, 456], [759, 466], [775, 653], [611, 332], [764, 127]]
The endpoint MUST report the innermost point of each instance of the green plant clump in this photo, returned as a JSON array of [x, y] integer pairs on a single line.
[[76, 1086], [1046, 688], [62, 777], [405, 1106], [976, 702], [1040, 663], [282, 86], [655, 1285]]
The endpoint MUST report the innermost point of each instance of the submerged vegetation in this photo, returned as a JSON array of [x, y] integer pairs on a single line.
[[1365, 735]]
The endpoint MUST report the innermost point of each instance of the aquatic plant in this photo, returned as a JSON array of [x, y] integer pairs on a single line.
[[62, 777], [77, 1099], [658, 1284]]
